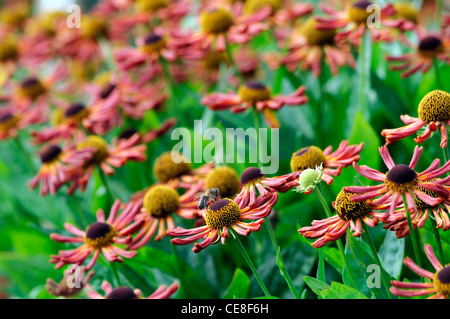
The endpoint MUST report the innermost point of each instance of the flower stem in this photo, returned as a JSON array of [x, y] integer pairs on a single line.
[[438, 240], [113, 268], [257, 124], [171, 109], [111, 194], [249, 262], [362, 98], [437, 74], [414, 238], [280, 262], [376, 257], [338, 242], [233, 62]]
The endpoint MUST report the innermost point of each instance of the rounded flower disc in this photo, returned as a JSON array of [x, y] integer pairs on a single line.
[[307, 157], [161, 200], [222, 213]]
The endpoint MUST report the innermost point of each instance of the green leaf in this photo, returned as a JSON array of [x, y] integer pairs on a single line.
[[239, 286], [335, 291], [391, 253], [341, 291]]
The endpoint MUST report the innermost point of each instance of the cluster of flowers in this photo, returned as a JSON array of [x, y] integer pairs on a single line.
[[125, 59]]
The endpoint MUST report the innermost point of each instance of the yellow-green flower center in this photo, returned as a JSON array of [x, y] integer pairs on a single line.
[[358, 13], [435, 106], [8, 51], [252, 6], [307, 157], [216, 20], [406, 11], [348, 209], [225, 179], [99, 145], [316, 36], [213, 60], [222, 213], [170, 165], [420, 204], [93, 27], [150, 5], [161, 200]]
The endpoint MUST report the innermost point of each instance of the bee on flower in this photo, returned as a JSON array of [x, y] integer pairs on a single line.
[[221, 216]]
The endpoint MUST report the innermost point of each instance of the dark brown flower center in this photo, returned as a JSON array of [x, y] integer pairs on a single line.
[[441, 281], [97, 230], [107, 90], [31, 87], [253, 91], [430, 43], [444, 275], [401, 174], [50, 153], [6, 117], [122, 293], [251, 174], [153, 43], [127, 133]]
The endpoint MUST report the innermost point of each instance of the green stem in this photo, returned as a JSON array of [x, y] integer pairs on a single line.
[[377, 258], [362, 98], [438, 240], [172, 105], [105, 181], [257, 124], [414, 238], [339, 241], [233, 63], [249, 262], [437, 74], [80, 210], [280, 262], [115, 273]]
